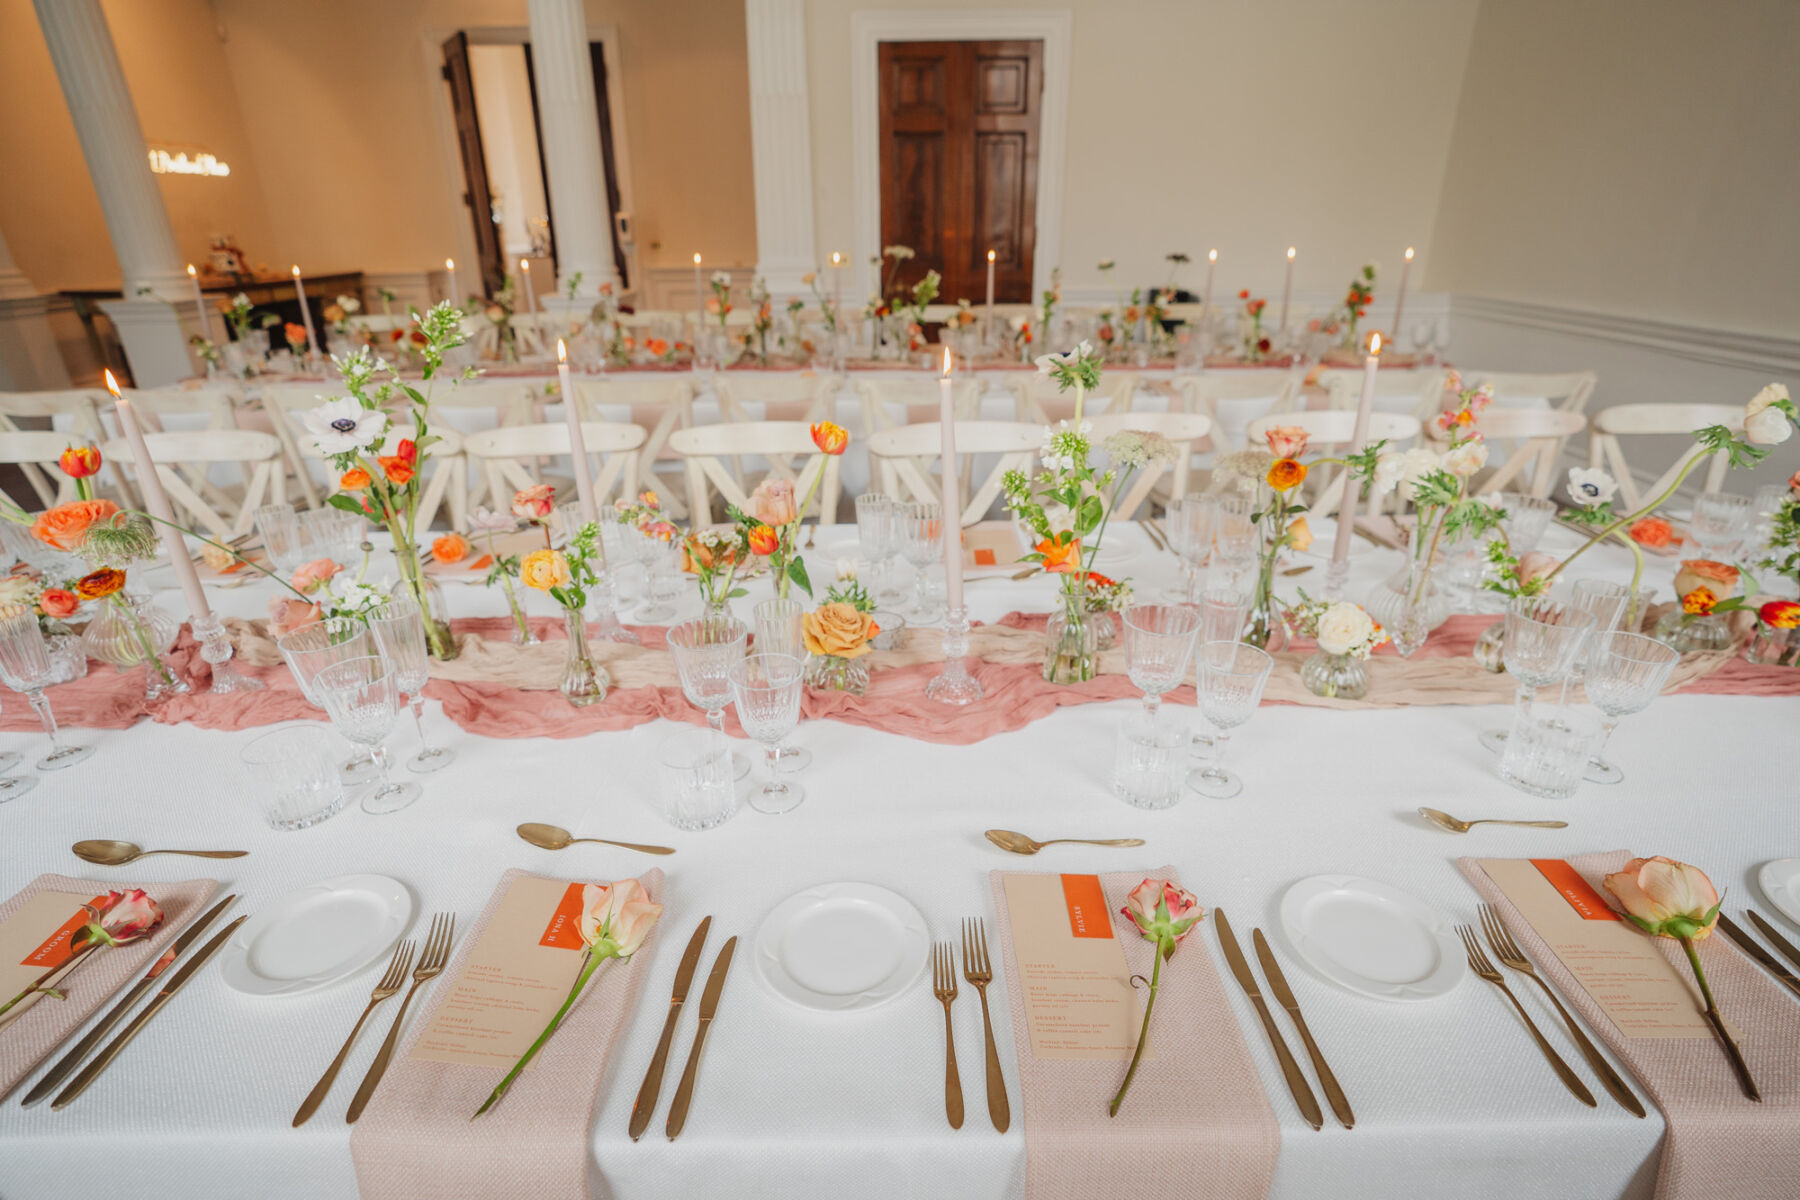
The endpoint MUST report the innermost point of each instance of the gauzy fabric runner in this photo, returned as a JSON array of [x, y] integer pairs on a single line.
[[1720, 1142], [415, 1141], [1196, 1120], [38, 1032]]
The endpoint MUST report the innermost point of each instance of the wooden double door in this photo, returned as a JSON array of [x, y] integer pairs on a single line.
[[959, 162]]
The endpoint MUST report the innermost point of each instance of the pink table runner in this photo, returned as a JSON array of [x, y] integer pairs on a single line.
[[415, 1141], [1720, 1143], [1196, 1121]]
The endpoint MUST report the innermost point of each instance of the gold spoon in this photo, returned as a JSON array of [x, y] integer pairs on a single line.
[[1018, 843], [108, 853], [1444, 820], [555, 837]]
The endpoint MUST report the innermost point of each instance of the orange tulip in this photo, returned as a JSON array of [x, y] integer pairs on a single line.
[[1286, 474], [830, 438], [1777, 614], [764, 541], [79, 462]]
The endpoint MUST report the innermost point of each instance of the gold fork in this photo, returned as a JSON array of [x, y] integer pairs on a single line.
[[1478, 963], [390, 983], [431, 964], [943, 986], [978, 970], [1508, 952]]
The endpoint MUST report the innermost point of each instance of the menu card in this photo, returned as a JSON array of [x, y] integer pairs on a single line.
[[1079, 1002], [35, 939], [518, 973], [1619, 965], [991, 548]]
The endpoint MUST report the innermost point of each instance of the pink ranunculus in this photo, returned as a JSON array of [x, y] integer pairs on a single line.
[[119, 917], [772, 502], [1665, 897], [1287, 441], [1163, 912], [618, 918], [535, 503], [287, 613], [313, 576], [1535, 564]]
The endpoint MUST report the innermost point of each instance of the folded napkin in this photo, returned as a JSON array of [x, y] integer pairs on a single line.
[[1197, 1112], [1720, 1142], [40, 1030], [415, 1141]]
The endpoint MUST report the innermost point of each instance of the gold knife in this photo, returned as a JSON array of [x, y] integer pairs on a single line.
[[73, 1058], [645, 1105], [104, 1059], [1234, 957], [1769, 931], [1749, 946], [709, 1004], [1340, 1103], [1156, 535]]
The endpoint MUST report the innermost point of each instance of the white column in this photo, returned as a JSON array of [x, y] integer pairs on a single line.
[[29, 358], [569, 120], [781, 143], [151, 271]]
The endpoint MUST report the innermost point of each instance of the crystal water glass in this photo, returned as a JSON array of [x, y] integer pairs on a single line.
[[876, 535], [1720, 523], [697, 781], [1230, 686], [279, 526], [921, 540], [309, 649], [332, 533], [1625, 673], [1527, 519], [1764, 506], [1150, 759], [1235, 533], [662, 559], [1191, 521], [1605, 602], [399, 629], [1159, 641], [778, 632], [1224, 607], [766, 689], [362, 697], [25, 667], [1542, 639], [705, 650], [294, 772], [1548, 748]]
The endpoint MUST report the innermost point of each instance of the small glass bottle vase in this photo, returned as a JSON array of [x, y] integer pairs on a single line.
[[829, 672], [1688, 633], [130, 631], [1335, 676], [584, 681], [1071, 650]]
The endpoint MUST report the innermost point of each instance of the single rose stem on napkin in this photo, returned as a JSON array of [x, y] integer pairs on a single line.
[[1143, 1036], [589, 964], [1718, 1023]]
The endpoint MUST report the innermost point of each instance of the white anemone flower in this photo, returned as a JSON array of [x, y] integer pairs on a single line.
[[1591, 487], [343, 426]]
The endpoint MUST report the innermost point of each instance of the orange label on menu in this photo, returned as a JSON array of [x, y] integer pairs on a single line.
[[54, 951], [985, 558], [1577, 891], [1086, 903], [564, 930]]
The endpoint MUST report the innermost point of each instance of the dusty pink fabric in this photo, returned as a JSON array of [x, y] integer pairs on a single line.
[[1196, 1112], [1720, 1142]]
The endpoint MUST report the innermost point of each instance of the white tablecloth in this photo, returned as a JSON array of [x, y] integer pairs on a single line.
[[1450, 1095]]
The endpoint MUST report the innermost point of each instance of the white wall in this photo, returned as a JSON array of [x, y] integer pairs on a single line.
[[509, 142]]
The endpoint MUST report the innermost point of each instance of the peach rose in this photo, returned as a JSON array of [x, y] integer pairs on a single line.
[[58, 603], [1162, 912], [1665, 897], [66, 525], [313, 576], [772, 502], [1652, 531], [1535, 564], [544, 569], [1719, 579], [535, 503], [1287, 441], [287, 613], [617, 920], [1300, 535], [838, 629], [451, 548]]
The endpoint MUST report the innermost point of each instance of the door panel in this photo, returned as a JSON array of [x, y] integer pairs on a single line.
[[477, 196]]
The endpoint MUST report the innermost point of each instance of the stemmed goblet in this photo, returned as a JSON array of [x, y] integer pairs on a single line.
[[1230, 686], [921, 540], [1148, 762], [25, 667], [310, 649], [778, 632], [1236, 534], [399, 630], [1606, 601], [1625, 673], [766, 689], [705, 650], [362, 697], [1191, 522], [1542, 640], [875, 517], [1159, 640]]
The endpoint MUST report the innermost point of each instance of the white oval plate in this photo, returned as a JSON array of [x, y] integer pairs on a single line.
[[1780, 882], [842, 947], [1116, 553], [1371, 939], [317, 935]]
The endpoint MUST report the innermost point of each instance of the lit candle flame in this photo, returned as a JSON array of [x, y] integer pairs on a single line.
[[525, 265], [562, 352], [1212, 256], [990, 256], [836, 258], [696, 260], [1409, 254], [946, 360], [449, 264], [296, 271], [191, 272], [112, 385], [1290, 254], [1375, 344]]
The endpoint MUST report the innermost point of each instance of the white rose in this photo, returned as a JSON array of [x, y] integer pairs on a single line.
[[1344, 629], [1466, 459]]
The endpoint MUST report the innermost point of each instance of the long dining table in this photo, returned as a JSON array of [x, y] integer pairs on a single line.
[[1451, 1096]]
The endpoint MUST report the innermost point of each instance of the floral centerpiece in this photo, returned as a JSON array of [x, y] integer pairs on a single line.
[[499, 309], [1047, 305], [378, 438], [615, 921], [1256, 344], [771, 527], [1357, 298], [114, 919], [565, 575], [837, 634], [1065, 505], [762, 319], [1163, 914], [504, 570], [828, 310], [715, 558], [1776, 642], [1346, 636]]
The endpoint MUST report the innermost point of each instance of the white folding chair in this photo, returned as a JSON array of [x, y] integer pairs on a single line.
[[1331, 429], [1419, 392], [260, 452], [1235, 397], [894, 403], [1609, 425], [777, 395], [35, 452], [660, 405], [1185, 430], [74, 415], [1568, 392], [908, 460], [780, 444], [1038, 398], [508, 456], [1540, 434]]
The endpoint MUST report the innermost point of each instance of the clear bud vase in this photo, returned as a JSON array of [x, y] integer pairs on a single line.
[[131, 631], [215, 648], [831, 672], [1335, 676], [1070, 653], [954, 685], [606, 616], [584, 681]]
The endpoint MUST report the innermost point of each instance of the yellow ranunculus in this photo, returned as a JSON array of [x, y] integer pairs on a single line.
[[544, 569]]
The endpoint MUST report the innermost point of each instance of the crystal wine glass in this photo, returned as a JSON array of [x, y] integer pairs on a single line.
[[362, 696], [766, 689], [1605, 600], [921, 540], [875, 518], [1625, 673], [399, 630], [1236, 533], [1191, 522], [1720, 523], [309, 649], [705, 650], [1159, 640], [662, 559], [1542, 640], [25, 667], [778, 632], [1230, 686], [279, 525]]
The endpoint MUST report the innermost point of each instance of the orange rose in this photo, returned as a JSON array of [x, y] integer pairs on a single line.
[[1060, 558], [59, 603], [535, 503], [296, 335], [66, 525], [354, 480], [99, 584], [1286, 474], [450, 548], [1719, 580], [1652, 531], [1777, 614], [287, 614], [764, 541], [830, 438], [78, 462], [838, 629]]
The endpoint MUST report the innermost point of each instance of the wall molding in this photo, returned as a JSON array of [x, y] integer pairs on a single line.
[[1053, 27], [1694, 343]]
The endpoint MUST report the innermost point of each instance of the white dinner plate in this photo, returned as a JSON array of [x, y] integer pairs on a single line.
[[842, 947], [1116, 553], [1324, 531], [1371, 939], [1780, 882], [317, 935]]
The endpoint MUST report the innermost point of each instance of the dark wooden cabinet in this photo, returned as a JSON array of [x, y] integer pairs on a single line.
[[959, 150]]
